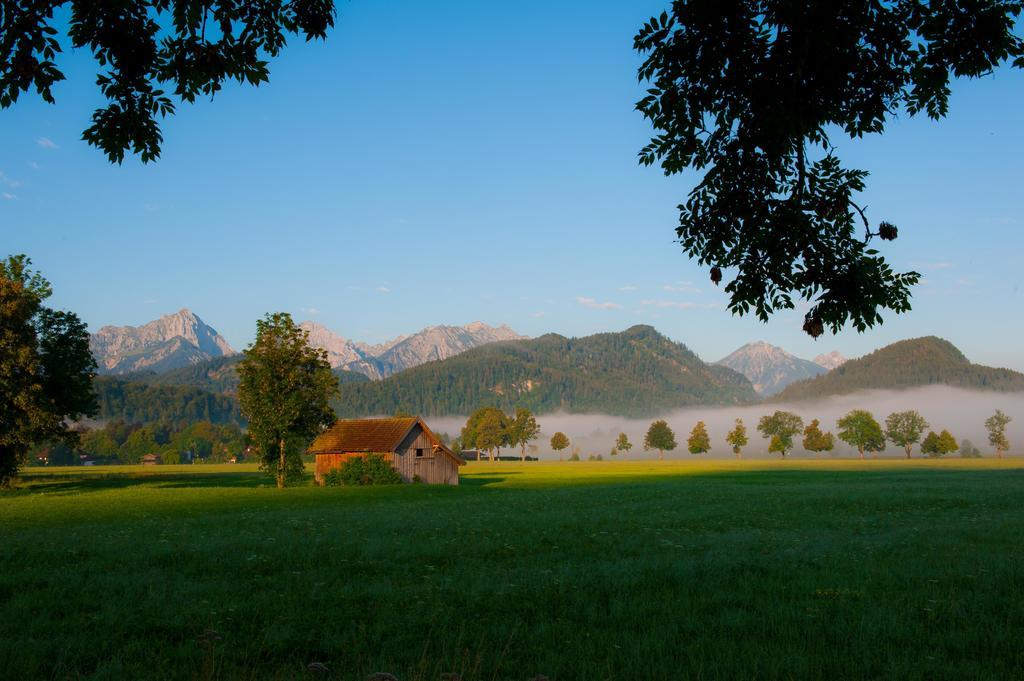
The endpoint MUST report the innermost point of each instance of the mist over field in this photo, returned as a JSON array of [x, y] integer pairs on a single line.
[[962, 412]]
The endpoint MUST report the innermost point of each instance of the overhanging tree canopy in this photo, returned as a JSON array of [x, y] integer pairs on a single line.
[[145, 45], [751, 91]]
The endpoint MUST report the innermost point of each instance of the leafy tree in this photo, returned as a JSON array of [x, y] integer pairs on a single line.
[[750, 92], [737, 438], [815, 440], [968, 450], [98, 444], [785, 425], [144, 46], [699, 441], [947, 443], [559, 441], [777, 445], [622, 444], [492, 432], [996, 427], [659, 436], [46, 369], [284, 389], [138, 444], [860, 429], [904, 429], [930, 445], [523, 430], [486, 429]]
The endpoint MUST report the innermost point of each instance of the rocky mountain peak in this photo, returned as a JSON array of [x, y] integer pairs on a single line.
[[830, 360], [769, 367], [172, 341]]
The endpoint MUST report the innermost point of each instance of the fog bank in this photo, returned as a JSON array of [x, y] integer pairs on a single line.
[[962, 412]]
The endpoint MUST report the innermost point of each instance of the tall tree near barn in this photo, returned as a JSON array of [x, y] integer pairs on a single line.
[[285, 387], [751, 93], [46, 369], [523, 430]]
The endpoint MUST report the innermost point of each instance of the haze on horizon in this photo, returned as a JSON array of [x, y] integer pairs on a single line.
[[319, 194]]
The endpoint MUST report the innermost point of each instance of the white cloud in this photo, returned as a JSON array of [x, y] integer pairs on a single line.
[[630, 287], [383, 289], [33, 165], [310, 311], [47, 143], [594, 305], [538, 314], [7, 196], [676, 304]]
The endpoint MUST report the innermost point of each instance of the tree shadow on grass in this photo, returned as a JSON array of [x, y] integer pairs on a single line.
[[78, 484]]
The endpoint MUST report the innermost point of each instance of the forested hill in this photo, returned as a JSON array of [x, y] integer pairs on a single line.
[[136, 402], [218, 375], [637, 372], [906, 364]]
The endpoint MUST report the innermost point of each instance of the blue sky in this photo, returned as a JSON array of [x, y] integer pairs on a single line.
[[447, 162]]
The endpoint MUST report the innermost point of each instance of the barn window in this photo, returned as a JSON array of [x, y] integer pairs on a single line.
[[419, 453]]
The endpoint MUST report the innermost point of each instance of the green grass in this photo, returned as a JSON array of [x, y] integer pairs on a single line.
[[614, 570]]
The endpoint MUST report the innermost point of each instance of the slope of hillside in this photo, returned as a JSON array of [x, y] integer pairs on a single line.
[[172, 341], [637, 372], [137, 402], [906, 364], [768, 367], [216, 376]]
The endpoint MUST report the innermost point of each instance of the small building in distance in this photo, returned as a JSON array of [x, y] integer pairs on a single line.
[[151, 459], [407, 444]]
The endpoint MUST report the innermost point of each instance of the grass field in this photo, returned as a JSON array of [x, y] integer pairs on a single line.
[[614, 570]]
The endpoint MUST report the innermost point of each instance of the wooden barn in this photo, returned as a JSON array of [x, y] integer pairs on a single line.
[[411, 448]]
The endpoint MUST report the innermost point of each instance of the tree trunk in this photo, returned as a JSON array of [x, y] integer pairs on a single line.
[[661, 455], [522, 454], [861, 450], [907, 448], [281, 466]]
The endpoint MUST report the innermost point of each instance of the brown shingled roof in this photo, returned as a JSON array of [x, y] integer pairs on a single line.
[[363, 435]]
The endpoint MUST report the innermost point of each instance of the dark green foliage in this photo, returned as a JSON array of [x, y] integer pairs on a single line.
[[144, 46], [284, 390], [750, 91], [559, 441], [860, 430], [522, 430], [906, 364], [660, 436], [217, 375], [372, 469], [636, 373], [46, 369], [136, 402], [779, 429], [930, 445]]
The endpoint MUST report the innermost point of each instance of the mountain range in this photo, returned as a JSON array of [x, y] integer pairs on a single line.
[[383, 360], [173, 341], [770, 368], [182, 340]]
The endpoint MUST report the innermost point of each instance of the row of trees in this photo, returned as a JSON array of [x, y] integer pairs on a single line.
[[489, 429], [124, 443], [858, 428]]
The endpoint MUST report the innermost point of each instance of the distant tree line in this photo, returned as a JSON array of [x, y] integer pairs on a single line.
[[120, 442]]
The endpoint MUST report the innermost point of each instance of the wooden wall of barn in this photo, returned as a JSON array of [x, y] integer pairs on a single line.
[[434, 468]]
